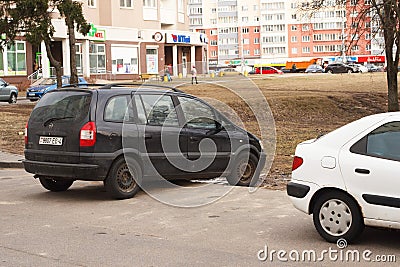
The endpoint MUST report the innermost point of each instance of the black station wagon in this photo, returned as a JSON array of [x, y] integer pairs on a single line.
[[124, 136]]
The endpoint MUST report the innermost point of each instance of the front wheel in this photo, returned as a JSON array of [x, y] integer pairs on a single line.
[[55, 185], [13, 99], [243, 170], [122, 181], [336, 215]]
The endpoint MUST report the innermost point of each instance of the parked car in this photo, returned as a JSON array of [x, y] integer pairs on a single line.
[[314, 68], [8, 92], [360, 68], [76, 134], [373, 68], [348, 178], [339, 68], [44, 85], [267, 70]]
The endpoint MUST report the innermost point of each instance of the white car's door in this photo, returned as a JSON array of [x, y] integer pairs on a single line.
[[371, 171]]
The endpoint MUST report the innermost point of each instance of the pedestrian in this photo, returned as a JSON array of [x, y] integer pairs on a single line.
[[168, 74], [294, 68], [194, 74]]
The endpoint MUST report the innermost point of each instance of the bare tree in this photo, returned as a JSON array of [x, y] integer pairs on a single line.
[[384, 16]]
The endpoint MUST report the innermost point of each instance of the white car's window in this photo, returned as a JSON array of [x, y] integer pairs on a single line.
[[383, 142]]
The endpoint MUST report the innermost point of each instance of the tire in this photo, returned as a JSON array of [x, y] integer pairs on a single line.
[[336, 215], [54, 184], [120, 183], [13, 98], [243, 170]]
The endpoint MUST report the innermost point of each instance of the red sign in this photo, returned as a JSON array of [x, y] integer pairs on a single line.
[[372, 59]]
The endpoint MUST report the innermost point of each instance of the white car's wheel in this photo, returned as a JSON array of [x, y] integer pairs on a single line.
[[336, 215]]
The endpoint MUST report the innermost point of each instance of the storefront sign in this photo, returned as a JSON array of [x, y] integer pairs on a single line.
[[203, 39], [96, 34], [213, 62], [372, 59], [178, 38]]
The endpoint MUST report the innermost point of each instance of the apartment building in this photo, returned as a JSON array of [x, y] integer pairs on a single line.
[[127, 38], [273, 31]]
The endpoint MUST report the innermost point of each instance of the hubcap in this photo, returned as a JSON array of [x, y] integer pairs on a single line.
[[335, 217], [245, 170], [125, 180]]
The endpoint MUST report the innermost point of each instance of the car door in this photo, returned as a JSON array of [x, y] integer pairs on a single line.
[[209, 145], [371, 168], [162, 145], [4, 91]]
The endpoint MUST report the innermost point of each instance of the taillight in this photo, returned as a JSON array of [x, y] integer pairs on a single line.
[[88, 134], [297, 162], [26, 134]]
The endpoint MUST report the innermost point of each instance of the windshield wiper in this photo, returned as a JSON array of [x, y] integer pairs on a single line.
[[56, 119]]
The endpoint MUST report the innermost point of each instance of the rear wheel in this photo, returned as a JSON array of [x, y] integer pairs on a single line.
[[336, 215], [122, 181], [243, 170], [55, 185], [13, 98]]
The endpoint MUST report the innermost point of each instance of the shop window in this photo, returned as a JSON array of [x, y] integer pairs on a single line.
[[125, 3], [97, 55], [150, 3], [78, 58], [152, 60], [124, 59], [16, 59]]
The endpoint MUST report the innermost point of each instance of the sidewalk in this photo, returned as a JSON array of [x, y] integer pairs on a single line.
[[9, 160]]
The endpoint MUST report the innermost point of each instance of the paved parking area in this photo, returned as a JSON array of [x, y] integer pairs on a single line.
[[83, 227]]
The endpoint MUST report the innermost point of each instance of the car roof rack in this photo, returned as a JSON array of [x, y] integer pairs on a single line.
[[80, 85], [111, 85]]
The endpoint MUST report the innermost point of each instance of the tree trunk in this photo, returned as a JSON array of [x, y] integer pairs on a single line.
[[55, 63], [72, 50], [393, 95]]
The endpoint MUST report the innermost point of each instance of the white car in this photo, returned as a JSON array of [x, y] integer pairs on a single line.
[[349, 178]]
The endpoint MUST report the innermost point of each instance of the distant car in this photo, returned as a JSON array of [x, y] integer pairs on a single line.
[[8, 92], [339, 68], [373, 68], [267, 70], [285, 70], [360, 68], [349, 178], [44, 85], [314, 68]]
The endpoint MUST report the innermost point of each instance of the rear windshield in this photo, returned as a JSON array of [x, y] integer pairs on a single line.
[[62, 105]]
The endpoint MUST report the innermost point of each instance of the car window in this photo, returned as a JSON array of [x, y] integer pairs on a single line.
[[383, 142], [197, 114], [156, 110], [65, 80], [68, 105], [2, 82], [116, 109]]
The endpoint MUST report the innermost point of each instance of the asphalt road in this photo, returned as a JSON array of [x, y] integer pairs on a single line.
[[83, 227]]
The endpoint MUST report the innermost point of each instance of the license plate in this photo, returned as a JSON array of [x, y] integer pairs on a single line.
[[31, 94], [50, 140]]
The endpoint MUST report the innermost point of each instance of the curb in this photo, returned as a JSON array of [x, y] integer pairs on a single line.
[[10, 165]]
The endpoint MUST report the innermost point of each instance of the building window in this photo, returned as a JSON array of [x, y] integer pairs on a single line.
[[305, 27], [305, 38], [294, 28], [149, 3], [256, 29], [78, 57], [213, 32], [294, 39], [245, 19], [256, 40], [91, 3], [368, 47], [256, 51], [213, 53], [306, 49], [245, 30], [97, 55], [294, 50], [213, 42], [125, 3], [16, 59]]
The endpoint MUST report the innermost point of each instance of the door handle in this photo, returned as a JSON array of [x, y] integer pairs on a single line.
[[194, 139], [362, 171], [148, 136]]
